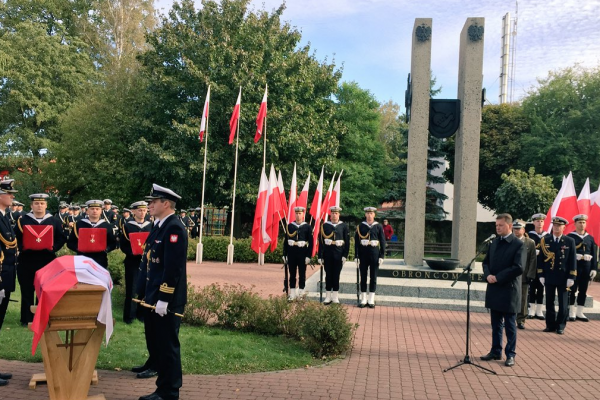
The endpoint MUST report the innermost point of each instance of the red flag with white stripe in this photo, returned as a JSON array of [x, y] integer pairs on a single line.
[[275, 208], [233, 122], [284, 208], [203, 123], [315, 206], [293, 194], [327, 201], [303, 199], [260, 119], [257, 229], [593, 222], [584, 199], [565, 205]]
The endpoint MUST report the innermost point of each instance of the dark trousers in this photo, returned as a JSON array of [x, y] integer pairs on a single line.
[[333, 268], [3, 307], [522, 315], [536, 291], [25, 275], [165, 346], [132, 267], [297, 266], [580, 287], [504, 321], [370, 266], [556, 321]]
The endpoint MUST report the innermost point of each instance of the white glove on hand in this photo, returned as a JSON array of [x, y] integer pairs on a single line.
[[587, 257], [328, 242], [300, 243], [380, 261], [306, 260], [364, 242], [291, 242], [592, 275], [543, 281], [357, 261], [537, 252], [570, 282], [344, 261], [161, 308], [3, 294], [284, 259], [579, 256], [320, 261]]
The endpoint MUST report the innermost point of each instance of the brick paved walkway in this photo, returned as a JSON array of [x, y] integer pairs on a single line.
[[398, 353]]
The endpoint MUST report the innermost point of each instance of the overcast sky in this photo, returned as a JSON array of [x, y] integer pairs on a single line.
[[372, 38]]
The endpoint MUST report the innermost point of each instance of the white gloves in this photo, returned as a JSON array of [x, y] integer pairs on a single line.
[[543, 281], [301, 243], [592, 275], [570, 282], [579, 256], [374, 243], [291, 242], [364, 242], [3, 294], [380, 261], [161, 308], [587, 257], [344, 261], [307, 260], [284, 259], [357, 261], [537, 252], [320, 261], [328, 242], [339, 243]]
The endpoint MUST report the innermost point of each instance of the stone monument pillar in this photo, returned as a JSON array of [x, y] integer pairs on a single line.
[[418, 105], [466, 169]]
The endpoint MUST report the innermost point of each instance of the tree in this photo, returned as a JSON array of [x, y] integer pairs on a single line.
[[523, 194]]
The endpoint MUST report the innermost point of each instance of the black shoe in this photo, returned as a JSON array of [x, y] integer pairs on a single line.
[[586, 319], [149, 373], [521, 325], [491, 356], [371, 305], [152, 396], [139, 368], [326, 303], [128, 321], [361, 305], [560, 331], [510, 361], [530, 316], [571, 319], [5, 376], [3, 382], [540, 317]]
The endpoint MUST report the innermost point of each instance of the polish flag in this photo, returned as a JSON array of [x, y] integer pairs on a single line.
[[315, 206], [327, 200], [235, 117], [267, 217], [593, 222], [257, 230], [337, 192], [275, 208], [284, 207], [584, 199], [260, 119], [292, 203], [303, 199], [204, 116], [565, 205]]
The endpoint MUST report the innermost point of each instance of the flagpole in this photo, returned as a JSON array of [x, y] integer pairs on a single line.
[[265, 144], [200, 247], [237, 141]]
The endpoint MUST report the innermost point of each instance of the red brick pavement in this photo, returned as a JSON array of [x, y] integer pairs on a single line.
[[398, 353]]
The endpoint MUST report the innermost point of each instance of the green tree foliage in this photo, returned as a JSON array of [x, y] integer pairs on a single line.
[[564, 111], [523, 194], [502, 128]]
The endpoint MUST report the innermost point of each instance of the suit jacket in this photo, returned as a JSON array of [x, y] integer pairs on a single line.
[[504, 260], [560, 261]]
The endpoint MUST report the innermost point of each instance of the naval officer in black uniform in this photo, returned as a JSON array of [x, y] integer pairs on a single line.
[[166, 288], [558, 272], [587, 267], [334, 246], [369, 250], [297, 248]]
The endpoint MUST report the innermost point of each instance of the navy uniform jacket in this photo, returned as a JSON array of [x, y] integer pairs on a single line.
[[111, 242], [334, 232], [8, 254], [298, 233], [166, 257], [128, 228], [40, 256], [371, 233], [109, 216], [585, 246], [505, 260], [559, 260]]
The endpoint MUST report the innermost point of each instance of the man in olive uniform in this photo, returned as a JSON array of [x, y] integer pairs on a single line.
[[334, 246], [529, 270], [558, 272], [297, 248], [166, 288], [587, 267], [36, 227], [369, 250], [536, 289], [8, 255]]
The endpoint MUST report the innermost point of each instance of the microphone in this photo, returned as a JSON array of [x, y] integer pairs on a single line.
[[489, 239]]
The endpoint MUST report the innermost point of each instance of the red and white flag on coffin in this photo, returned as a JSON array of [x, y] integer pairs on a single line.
[[292, 203], [327, 200], [275, 209], [204, 116], [60, 275], [315, 206], [284, 208], [584, 199], [257, 229], [593, 222], [565, 205], [260, 119], [233, 122], [303, 199]]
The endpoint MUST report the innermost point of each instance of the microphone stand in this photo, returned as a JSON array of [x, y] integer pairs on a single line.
[[467, 360]]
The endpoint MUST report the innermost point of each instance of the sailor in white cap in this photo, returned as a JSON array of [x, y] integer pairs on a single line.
[[369, 252], [297, 250], [587, 267], [334, 246]]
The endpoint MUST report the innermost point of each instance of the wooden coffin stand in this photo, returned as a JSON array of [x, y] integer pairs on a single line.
[[70, 363]]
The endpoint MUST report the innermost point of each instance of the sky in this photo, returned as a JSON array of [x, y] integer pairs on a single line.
[[372, 38]]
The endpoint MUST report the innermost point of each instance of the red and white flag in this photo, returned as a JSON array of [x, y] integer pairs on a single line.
[[327, 200], [337, 192], [303, 199], [235, 117], [284, 208], [261, 200], [203, 123], [584, 199], [275, 208], [593, 222], [565, 205], [292, 203], [260, 119], [315, 206]]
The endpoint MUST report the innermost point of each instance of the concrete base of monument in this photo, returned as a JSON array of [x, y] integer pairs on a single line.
[[421, 287]]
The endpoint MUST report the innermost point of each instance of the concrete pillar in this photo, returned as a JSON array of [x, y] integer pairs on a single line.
[[466, 169], [420, 72]]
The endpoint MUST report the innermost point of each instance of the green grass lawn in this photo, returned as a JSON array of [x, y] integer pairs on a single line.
[[203, 350]]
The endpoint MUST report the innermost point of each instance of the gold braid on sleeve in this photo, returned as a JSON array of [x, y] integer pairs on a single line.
[[9, 244]]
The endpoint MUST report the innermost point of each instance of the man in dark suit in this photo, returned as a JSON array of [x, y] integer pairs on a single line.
[[557, 273], [502, 269], [166, 288], [529, 270]]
